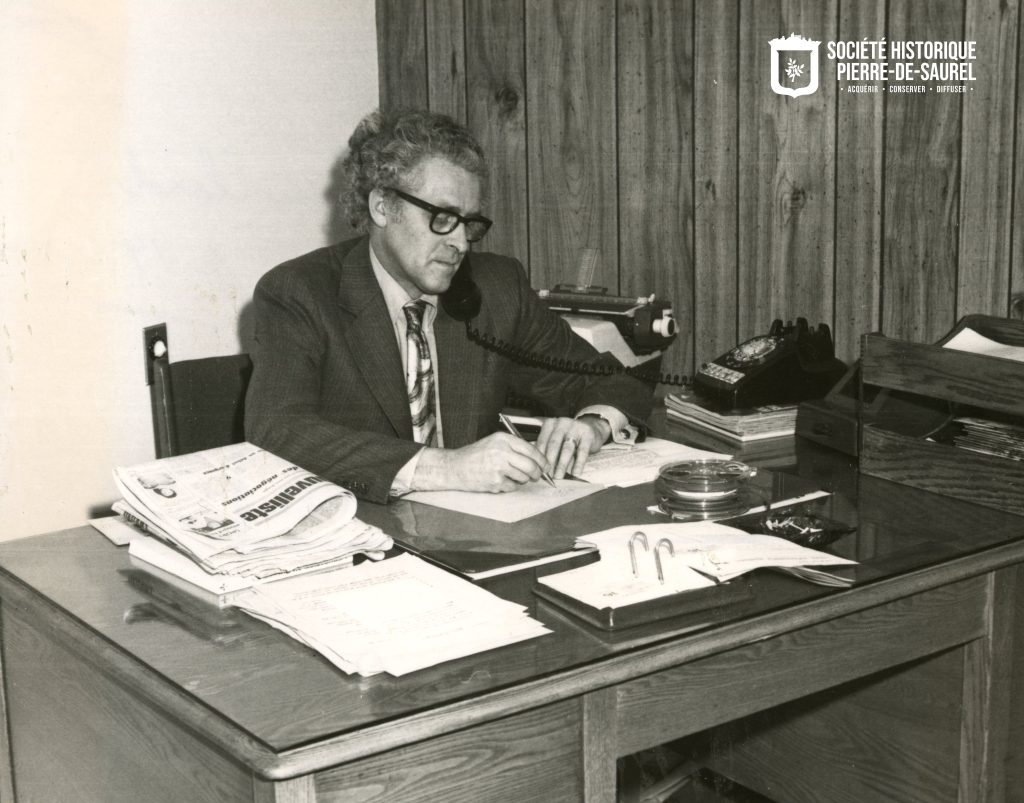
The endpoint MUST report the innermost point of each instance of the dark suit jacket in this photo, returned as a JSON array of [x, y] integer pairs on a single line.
[[328, 387]]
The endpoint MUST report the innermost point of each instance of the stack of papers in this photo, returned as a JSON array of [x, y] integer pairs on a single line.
[[525, 501], [614, 465], [396, 616], [999, 438], [239, 510], [975, 343], [173, 568], [706, 553]]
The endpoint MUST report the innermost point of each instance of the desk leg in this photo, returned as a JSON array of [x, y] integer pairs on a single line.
[[988, 664], [296, 790], [599, 746], [6, 765]]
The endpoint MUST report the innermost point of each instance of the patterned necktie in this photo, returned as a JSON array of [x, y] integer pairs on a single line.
[[419, 374]]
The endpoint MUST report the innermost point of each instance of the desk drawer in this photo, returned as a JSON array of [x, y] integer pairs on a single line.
[[686, 699], [530, 756]]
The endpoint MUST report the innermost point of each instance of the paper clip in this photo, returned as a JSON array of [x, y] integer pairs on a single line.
[[657, 556], [632, 550]]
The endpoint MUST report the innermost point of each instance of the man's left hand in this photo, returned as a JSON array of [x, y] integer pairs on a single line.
[[568, 442]]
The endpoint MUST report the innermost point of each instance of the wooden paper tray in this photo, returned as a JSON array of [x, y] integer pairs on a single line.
[[988, 480], [890, 450]]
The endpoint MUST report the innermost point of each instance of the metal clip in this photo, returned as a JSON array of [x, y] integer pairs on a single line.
[[657, 557], [632, 550]]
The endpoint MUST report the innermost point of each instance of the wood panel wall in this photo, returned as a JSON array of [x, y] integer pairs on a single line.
[[647, 129]]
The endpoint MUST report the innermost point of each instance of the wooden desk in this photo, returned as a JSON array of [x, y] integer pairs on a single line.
[[898, 689]]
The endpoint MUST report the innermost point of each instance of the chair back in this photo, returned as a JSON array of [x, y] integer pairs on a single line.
[[199, 404]]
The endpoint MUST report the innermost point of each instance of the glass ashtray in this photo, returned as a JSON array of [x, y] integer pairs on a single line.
[[803, 529]]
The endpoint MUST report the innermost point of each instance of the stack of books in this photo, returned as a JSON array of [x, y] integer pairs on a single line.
[[751, 424], [987, 436]]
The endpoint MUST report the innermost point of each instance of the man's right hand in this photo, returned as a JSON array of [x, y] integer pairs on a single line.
[[498, 463]]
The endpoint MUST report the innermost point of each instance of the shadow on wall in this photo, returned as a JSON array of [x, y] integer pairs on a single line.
[[336, 229], [247, 327]]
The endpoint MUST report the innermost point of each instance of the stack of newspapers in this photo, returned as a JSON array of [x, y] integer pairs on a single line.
[[280, 541], [240, 511]]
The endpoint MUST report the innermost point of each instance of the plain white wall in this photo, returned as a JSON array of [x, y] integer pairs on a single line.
[[157, 159]]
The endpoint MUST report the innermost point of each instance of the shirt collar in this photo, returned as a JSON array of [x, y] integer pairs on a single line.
[[395, 296]]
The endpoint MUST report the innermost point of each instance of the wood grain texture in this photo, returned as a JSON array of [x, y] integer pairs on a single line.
[[439, 719], [296, 790], [655, 154], [807, 206], [715, 153], [630, 666], [497, 116], [893, 736], [974, 477], [77, 735], [1017, 255], [935, 372], [987, 158], [677, 702], [859, 158], [532, 756], [446, 58], [570, 79], [1013, 759], [600, 746], [786, 174], [922, 182], [986, 695], [402, 54]]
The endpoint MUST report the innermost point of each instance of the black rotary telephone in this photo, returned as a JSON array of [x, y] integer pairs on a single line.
[[790, 364], [462, 302]]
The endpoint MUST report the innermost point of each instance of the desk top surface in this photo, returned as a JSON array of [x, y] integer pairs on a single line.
[[284, 696]]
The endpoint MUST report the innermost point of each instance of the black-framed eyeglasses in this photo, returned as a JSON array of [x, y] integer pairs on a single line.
[[445, 221]]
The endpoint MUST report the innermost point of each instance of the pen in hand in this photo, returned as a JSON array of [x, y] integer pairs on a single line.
[[507, 423]]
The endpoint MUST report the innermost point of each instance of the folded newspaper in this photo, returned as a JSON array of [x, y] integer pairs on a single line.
[[241, 510]]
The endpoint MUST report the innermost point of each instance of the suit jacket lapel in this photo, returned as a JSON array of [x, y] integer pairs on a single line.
[[371, 337]]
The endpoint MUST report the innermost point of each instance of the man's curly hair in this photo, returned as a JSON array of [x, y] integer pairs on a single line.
[[388, 146]]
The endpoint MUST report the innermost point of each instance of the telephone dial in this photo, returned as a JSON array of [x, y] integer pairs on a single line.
[[790, 364]]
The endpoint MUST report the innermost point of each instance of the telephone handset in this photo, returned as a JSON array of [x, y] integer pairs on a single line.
[[462, 298], [788, 365], [462, 302]]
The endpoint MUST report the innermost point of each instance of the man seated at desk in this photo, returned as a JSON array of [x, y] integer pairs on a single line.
[[361, 373]]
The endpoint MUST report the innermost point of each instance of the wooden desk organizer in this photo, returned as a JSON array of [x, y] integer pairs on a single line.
[[888, 451]]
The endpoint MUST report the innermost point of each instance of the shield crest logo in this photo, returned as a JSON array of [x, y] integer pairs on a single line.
[[794, 66]]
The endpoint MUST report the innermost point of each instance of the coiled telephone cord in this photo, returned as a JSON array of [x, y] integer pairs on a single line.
[[532, 359]]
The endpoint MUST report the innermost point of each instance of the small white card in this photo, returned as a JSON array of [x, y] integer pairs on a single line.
[[117, 529]]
